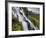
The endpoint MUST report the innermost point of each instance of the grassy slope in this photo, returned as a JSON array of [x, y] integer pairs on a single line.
[[16, 26], [34, 20]]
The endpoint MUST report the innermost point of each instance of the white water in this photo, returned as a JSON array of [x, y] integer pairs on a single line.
[[21, 19]]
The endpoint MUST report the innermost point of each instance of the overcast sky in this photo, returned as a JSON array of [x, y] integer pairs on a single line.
[[35, 10]]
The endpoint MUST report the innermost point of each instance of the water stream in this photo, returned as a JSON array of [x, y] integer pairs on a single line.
[[22, 18]]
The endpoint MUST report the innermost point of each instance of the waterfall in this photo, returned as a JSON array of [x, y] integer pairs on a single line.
[[21, 16]]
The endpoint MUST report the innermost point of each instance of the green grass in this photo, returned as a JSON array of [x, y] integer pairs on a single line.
[[16, 26], [34, 20]]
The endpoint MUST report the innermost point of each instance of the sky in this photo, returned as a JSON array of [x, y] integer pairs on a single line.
[[35, 10]]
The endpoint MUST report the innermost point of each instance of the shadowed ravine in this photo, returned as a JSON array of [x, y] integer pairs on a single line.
[[19, 14]]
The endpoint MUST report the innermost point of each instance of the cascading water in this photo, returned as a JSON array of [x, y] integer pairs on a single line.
[[22, 18]]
